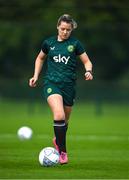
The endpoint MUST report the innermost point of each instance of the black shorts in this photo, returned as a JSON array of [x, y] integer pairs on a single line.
[[65, 89]]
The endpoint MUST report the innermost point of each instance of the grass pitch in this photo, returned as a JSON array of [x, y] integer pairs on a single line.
[[97, 141]]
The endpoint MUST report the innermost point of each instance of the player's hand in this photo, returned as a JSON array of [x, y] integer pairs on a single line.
[[32, 82], [88, 75]]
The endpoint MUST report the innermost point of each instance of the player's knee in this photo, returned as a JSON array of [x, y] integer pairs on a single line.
[[59, 115]]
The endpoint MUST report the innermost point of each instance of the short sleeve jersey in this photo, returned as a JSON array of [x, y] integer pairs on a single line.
[[61, 58]]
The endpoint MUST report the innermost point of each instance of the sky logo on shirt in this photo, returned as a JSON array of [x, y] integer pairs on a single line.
[[62, 59]]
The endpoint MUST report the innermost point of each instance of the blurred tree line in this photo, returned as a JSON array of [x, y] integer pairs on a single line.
[[103, 27]]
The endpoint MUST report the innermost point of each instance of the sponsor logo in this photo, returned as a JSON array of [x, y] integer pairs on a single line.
[[70, 48], [52, 48], [62, 59]]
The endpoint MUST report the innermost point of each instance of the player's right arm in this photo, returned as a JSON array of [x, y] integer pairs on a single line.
[[38, 67]]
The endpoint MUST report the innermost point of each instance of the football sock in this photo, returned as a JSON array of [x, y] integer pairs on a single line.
[[60, 133], [66, 127]]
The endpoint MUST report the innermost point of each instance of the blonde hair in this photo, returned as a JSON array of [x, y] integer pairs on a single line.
[[68, 19]]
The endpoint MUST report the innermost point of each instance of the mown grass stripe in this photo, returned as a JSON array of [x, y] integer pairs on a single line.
[[73, 137]]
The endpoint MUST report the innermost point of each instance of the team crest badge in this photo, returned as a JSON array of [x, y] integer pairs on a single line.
[[49, 90], [70, 48]]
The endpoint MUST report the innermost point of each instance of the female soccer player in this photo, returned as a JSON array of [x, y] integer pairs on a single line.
[[60, 52]]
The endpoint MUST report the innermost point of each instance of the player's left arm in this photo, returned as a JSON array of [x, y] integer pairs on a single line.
[[88, 66]]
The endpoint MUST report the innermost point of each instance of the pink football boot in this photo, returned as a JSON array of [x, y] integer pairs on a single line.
[[63, 158]]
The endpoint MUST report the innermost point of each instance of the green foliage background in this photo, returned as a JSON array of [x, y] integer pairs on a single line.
[[103, 28]]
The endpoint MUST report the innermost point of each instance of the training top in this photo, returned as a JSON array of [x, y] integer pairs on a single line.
[[61, 58]]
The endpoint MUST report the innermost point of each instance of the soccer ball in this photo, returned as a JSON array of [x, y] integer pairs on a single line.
[[49, 156], [25, 133]]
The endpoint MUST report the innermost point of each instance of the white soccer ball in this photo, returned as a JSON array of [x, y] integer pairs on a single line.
[[49, 156], [25, 133]]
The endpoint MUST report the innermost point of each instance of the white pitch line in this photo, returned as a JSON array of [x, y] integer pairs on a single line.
[[74, 137]]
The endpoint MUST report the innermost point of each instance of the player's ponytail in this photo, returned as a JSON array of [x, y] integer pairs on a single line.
[[68, 19]]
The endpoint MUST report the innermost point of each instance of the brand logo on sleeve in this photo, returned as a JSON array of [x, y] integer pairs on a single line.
[[52, 48], [62, 59]]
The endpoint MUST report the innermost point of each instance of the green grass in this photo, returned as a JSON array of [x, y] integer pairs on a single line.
[[97, 141]]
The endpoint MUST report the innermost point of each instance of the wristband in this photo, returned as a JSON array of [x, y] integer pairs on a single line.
[[89, 71]]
